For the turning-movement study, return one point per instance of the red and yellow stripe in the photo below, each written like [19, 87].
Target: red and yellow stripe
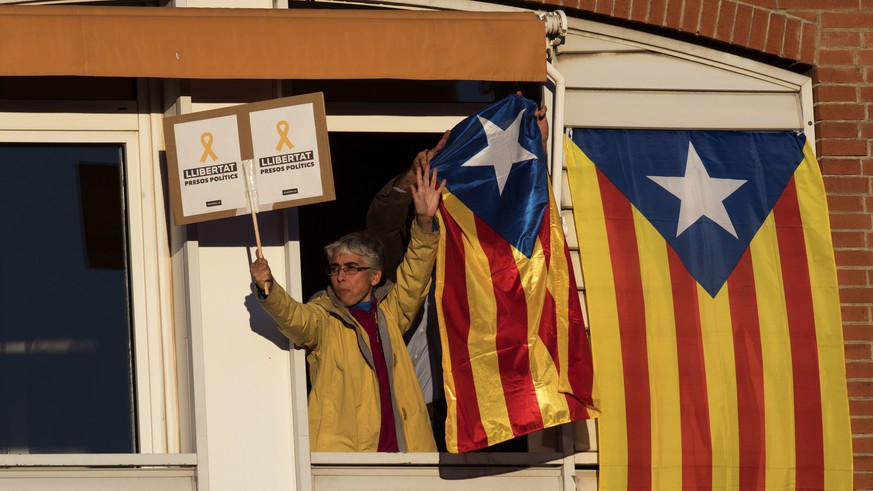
[515, 355]
[742, 391]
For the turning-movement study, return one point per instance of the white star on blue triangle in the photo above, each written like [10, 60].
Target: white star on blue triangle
[701, 195]
[727, 183]
[494, 164]
[501, 151]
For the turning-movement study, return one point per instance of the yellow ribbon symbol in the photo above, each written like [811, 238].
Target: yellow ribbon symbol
[282, 128]
[206, 140]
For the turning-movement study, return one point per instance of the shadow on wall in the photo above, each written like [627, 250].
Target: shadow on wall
[259, 321]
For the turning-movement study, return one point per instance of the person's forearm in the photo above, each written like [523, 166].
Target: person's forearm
[425, 222]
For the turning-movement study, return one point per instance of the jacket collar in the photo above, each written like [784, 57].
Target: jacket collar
[338, 308]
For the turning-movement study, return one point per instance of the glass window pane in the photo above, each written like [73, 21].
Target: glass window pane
[65, 328]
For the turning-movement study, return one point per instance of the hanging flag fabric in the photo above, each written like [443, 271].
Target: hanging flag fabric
[516, 357]
[713, 308]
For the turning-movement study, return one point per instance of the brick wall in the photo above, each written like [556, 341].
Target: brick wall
[835, 37]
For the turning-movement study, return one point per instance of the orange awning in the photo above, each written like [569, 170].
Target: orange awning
[209, 43]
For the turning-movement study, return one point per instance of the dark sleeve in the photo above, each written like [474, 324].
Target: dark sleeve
[388, 218]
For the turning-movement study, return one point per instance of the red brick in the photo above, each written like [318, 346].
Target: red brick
[775, 34]
[868, 74]
[866, 93]
[855, 313]
[863, 370]
[767, 4]
[839, 74]
[845, 202]
[842, 167]
[673, 16]
[840, 39]
[859, 333]
[867, 169]
[862, 444]
[862, 463]
[858, 294]
[862, 480]
[691, 16]
[866, 130]
[603, 7]
[852, 277]
[861, 408]
[588, 5]
[791, 44]
[758, 31]
[848, 221]
[857, 351]
[708, 18]
[829, 129]
[621, 9]
[742, 25]
[843, 147]
[850, 260]
[807, 43]
[818, 4]
[865, 57]
[840, 112]
[868, 38]
[835, 93]
[860, 389]
[844, 238]
[639, 10]
[836, 57]
[846, 20]
[862, 425]
[806, 15]
[657, 8]
[725, 27]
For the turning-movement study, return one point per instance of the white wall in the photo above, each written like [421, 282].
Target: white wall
[246, 373]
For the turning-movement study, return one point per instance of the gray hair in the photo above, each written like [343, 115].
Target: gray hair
[362, 244]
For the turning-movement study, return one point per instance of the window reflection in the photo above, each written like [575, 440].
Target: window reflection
[65, 330]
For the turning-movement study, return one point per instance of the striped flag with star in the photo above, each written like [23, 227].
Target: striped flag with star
[713, 310]
[516, 357]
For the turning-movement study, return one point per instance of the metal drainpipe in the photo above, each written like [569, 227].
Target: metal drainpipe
[556, 30]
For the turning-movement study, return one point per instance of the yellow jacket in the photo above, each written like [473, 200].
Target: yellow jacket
[344, 408]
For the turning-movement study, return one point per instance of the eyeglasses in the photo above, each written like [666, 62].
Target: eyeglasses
[348, 268]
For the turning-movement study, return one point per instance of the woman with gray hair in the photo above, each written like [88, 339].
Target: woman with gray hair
[365, 395]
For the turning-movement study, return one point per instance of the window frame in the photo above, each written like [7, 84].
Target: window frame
[155, 382]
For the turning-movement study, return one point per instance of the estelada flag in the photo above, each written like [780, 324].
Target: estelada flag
[516, 357]
[713, 308]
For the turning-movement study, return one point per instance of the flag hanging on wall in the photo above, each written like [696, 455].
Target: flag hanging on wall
[713, 308]
[516, 357]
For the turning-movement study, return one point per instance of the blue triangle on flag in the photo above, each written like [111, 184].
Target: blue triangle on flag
[707, 213]
[515, 211]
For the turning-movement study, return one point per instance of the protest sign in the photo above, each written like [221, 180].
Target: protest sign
[284, 140]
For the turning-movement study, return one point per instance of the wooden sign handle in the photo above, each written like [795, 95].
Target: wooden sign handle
[258, 241]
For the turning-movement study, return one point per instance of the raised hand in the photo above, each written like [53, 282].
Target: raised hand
[406, 180]
[543, 125]
[542, 122]
[426, 196]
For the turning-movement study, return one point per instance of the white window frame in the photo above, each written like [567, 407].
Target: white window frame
[157, 403]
